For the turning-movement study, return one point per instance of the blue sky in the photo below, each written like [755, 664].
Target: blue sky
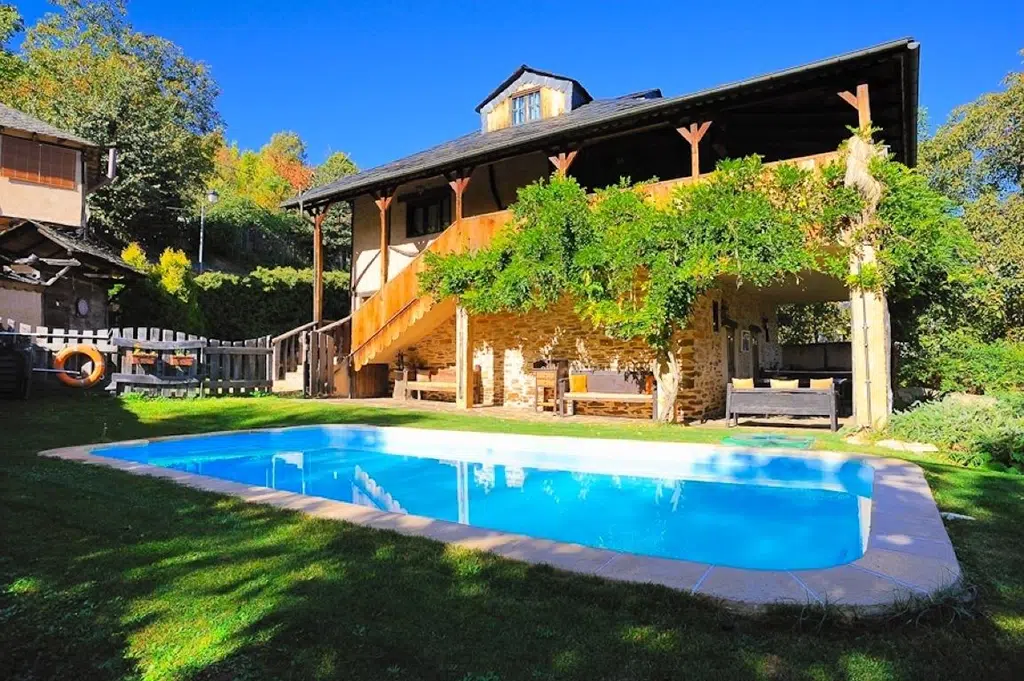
[380, 79]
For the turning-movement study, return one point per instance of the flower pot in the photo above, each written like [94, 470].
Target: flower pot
[142, 359]
[181, 360]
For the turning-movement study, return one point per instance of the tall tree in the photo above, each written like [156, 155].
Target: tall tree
[85, 69]
[977, 159]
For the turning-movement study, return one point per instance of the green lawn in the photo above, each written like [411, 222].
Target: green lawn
[112, 576]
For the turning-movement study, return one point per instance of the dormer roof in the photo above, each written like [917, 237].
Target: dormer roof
[529, 69]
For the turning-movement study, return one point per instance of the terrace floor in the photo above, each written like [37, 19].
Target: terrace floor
[815, 423]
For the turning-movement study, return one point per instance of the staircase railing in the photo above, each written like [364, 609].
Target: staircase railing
[398, 304]
[289, 350]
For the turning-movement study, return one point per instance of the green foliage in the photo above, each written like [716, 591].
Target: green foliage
[529, 266]
[921, 242]
[977, 159]
[634, 268]
[86, 70]
[958, 360]
[813, 323]
[267, 301]
[245, 233]
[973, 431]
[165, 298]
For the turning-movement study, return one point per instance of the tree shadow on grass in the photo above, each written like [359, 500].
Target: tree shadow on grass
[108, 575]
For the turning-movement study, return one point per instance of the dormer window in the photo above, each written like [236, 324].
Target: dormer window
[526, 107]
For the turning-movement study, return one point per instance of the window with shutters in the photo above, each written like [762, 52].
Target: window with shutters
[45, 164]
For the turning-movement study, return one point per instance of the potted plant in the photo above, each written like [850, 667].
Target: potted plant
[140, 356]
[181, 358]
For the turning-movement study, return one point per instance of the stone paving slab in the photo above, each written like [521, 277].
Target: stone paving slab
[908, 550]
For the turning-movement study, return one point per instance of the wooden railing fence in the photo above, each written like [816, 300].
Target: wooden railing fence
[159, 361]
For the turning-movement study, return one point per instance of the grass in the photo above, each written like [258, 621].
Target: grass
[106, 575]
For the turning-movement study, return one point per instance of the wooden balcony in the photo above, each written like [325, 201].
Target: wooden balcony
[388, 314]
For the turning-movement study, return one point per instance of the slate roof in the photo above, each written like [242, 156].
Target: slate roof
[15, 243]
[12, 118]
[601, 114]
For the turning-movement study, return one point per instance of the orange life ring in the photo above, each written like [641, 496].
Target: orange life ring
[90, 351]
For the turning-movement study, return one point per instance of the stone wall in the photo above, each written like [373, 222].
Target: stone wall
[507, 345]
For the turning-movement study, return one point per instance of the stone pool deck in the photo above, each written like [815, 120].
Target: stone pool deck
[908, 552]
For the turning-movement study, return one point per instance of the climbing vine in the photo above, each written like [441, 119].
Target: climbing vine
[635, 268]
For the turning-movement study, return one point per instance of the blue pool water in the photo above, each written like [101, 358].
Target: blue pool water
[758, 509]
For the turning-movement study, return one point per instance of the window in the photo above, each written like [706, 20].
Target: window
[45, 164]
[428, 215]
[526, 107]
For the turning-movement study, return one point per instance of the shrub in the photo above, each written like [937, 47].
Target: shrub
[972, 430]
[165, 298]
[220, 305]
[266, 301]
[958, 361]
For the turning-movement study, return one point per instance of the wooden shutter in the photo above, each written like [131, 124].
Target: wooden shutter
[44, 164]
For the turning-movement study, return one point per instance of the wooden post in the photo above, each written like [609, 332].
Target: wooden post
[562, 161]
[458, 183]
[463, 358]
[383, 200]
[318, 262]
[861, 102]
[694, 134]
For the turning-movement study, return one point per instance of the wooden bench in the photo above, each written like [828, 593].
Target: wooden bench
[780, 401]
[610, 386]
[441, 380]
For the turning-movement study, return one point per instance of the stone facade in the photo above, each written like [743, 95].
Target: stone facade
[507, 345]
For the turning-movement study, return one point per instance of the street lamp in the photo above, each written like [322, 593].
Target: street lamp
[211, 198]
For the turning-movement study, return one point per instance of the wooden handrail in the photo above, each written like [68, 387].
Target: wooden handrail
[333, 325]
[397, 295]
[383, 326]
[294, 332]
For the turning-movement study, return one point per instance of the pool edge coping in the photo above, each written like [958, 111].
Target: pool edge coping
[909, 553]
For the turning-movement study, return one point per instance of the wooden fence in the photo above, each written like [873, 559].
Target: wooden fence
[160, 361]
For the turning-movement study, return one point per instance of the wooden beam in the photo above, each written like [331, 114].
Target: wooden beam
[458, 185]
[694, 134]
[861, 102]
[383, 200]
[562, 161]
[319, 214]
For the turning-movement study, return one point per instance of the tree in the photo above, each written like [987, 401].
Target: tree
[10, 25]
[827, 322]
[337, 223]
[977, 159]
[86, 70]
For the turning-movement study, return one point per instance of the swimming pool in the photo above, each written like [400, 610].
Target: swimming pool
[734, 507]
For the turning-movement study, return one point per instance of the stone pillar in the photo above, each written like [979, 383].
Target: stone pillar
[869, 311]
[870, 343]
[463, 358]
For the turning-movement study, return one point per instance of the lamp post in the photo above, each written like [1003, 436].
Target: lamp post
[211, 198]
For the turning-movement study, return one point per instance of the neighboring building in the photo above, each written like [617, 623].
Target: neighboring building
[455, 196]
[51, 272]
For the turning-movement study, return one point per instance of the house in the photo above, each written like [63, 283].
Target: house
[456, 196]
[51, 272]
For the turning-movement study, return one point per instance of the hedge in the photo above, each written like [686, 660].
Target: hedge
[229, 306]
[266, 301]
